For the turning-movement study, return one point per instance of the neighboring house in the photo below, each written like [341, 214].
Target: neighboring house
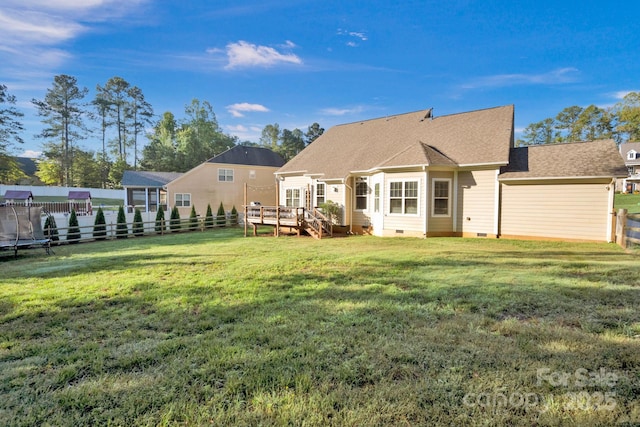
[146, 189]
[630, 152]
[224, 179]
[457, 175]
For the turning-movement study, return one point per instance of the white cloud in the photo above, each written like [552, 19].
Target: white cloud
[622, 93]
[27, 27]
[245, 133]
[243, 55]
[342, 111]
[561, 75]
[359, 35]
[237, 110]
[31, 154]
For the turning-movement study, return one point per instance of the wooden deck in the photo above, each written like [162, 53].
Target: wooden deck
[298, 219]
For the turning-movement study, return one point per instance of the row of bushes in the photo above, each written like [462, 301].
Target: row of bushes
[137, 229]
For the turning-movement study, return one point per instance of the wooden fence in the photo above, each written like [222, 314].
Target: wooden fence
[627, 229]
[110, 231]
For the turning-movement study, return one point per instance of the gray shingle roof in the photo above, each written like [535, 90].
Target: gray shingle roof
[18, 195]
[411, 139]
[624, 150]
[252, 156]
[580, 159]
[148, 179]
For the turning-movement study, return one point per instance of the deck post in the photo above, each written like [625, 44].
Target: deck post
[277, 221]
[246, 211]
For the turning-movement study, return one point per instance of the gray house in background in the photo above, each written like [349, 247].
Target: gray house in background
[630, 153]
[146, 190]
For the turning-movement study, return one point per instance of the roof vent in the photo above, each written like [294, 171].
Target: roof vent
[429, 115]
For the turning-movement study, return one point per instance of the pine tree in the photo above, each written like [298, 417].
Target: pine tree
[100, 227]
[160, 220]
[221, 216]
[73, 231]
[234, 215]
[138, 226]
[193, 219]
[121, 227]
[174, 221]
[208, 219]
[51, 229]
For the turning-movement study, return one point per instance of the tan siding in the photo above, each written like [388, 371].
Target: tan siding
[439, 225]
[203, 185]
[411, 225]
[567, 211]
[476, 202]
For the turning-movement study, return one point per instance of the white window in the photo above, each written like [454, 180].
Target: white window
[252, 174]
[362, 193]
[631, 155]
[225, 175]
[292, 197]
[320, 193]
[441, 197]
[376, 197]
[183, 199]
[403, 197]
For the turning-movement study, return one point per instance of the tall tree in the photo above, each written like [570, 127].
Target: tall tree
[313, 132]
[116, 95]
[10, 128]
[567, 122]
[594, 123]
[542, 132]
[160, 153]
[62, 111]
[270, 136]
[628, 114]
[292, 143]
[141, 115]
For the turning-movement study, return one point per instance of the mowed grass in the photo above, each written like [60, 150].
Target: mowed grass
[630, 202]
[216, 329]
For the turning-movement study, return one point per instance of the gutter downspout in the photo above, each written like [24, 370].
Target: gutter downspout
[612, 213]
[426, 201]
[350, 203]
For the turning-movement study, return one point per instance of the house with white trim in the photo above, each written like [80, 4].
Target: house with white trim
[421, 175]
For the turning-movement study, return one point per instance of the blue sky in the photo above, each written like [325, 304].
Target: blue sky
[326, 61]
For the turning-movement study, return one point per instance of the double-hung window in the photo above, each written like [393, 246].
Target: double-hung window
[403, 197]
[292, 197]
[362, 193]
[376, 197]
[225, 175]
[183, 199]
[441, 193]
[320, 193]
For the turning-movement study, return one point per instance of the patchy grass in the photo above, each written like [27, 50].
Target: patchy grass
[630, 202]
[214, 329]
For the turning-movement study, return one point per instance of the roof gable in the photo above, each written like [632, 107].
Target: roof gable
[251, 156]
[79, 195]
[411, 139]
[571, 160]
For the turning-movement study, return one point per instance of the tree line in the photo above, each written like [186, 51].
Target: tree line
[120, 117]
[620, 122]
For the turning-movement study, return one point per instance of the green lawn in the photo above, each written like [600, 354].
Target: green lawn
[630, 202]
[216, 329]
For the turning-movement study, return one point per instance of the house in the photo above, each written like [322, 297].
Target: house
[419, 175]
[630, 152]
[145, 190]
[240, 175]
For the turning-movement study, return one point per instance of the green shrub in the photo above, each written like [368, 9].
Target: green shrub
[174, 220]
[234, 215]
[122, 230]
[73, 231]
[208, 219]
[331, 210]
[138, 226]
[51, 229]
[221, 216]
[100, 226]
[160, 220]
[193, 219]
